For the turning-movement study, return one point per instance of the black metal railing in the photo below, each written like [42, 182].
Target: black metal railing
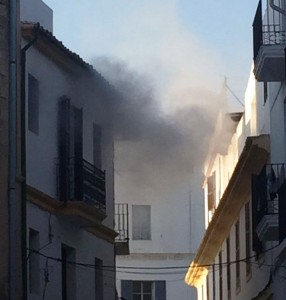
[265, 188]
[269, 196]
[82, 182]
[273, 35]
[121, 222]
[266, 34]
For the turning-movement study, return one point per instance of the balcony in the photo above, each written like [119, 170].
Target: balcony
[268, 203]
[122, 227]
[268, 50]
[81, 187]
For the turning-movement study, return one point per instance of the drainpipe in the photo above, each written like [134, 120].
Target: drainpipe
[12, 157]
[277, 8]
[23, 164]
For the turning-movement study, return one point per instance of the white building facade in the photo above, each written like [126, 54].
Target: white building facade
[69, 168]
[242, 254]
[162, 235]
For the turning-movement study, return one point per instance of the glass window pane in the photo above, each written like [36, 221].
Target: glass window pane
[136, 286]
[136, 297]
[147, 297]
[147, 287]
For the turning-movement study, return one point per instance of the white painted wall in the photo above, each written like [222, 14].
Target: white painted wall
[175, 234]
[41, 174]
[259, 118]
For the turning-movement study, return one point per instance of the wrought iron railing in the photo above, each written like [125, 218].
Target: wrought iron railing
[121, 222]
[266, 34]
[82, 182]
[265, 190]
[273, 35]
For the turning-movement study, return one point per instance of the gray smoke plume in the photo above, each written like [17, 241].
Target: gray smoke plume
[155, 147]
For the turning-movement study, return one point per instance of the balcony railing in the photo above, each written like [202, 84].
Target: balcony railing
[121, 221]
[79, 180]
[122, 228]
[268, 196]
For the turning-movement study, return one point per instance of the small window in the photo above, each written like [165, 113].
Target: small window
[141, 222]
[34, 262]
[33, 104]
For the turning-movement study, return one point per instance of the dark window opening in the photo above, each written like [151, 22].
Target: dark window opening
[33, 104]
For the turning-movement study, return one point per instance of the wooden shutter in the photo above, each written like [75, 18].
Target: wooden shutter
[126, 289]
[78, 163]
[160, 290]
[63, 148]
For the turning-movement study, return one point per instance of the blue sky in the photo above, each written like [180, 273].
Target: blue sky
[181, 41]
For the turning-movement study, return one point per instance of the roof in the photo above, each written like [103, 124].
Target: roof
[58, 51]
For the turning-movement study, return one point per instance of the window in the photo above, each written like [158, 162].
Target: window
[228, 271]
[211, 192]
[34, 262]
[98, 279]
[141, 222]
[220, 276]
[237, 255]
[143, 290]
[247, 239]
[214, 285]
[68, 273]
[97, 146]
[33, 104]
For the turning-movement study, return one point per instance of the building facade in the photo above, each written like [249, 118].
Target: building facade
[69, 168]
[242, 254]
[162, 234]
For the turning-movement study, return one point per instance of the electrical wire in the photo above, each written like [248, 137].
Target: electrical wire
[128, 269]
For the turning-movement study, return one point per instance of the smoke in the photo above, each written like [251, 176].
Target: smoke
[155, 147]
[170, 96]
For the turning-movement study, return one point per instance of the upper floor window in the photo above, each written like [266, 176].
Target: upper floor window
[97, 145]
[143, 290]
[141, 222]
[33, 104]
[211, 183]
